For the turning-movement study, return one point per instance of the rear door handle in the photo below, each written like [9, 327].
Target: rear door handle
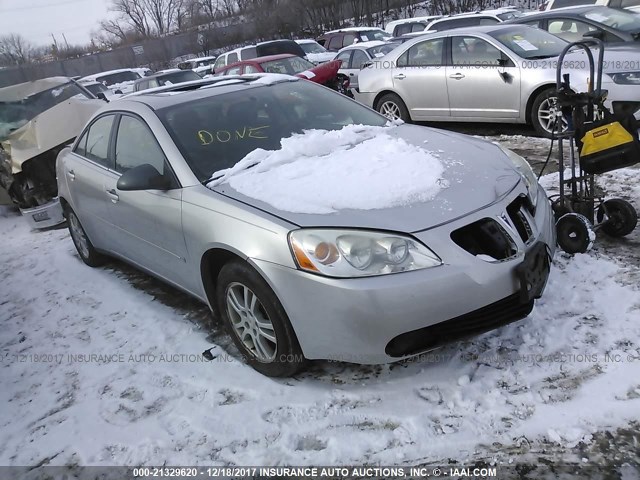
[113, 195]
[400, 76]
[457, 76]
[72, 176]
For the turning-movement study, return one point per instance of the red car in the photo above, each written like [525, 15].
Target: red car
[324, 74]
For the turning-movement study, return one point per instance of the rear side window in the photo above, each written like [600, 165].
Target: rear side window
[348, 39]
[359, 59]
[219, 62]
[94, 144]
[344, 58]
[335, 43]
[232, 58]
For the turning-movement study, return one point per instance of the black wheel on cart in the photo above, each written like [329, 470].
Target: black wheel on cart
[574, 233]
[618, 216]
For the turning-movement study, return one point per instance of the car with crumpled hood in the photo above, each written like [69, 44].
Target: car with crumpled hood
[37, 120]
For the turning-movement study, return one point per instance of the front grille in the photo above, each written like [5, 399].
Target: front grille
[485, 237]
[487, 318]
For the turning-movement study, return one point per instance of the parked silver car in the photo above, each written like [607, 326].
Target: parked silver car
[501, 73]
[361, 285]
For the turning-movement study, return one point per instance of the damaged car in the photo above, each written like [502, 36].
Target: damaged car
[313, 225]
[37, 120]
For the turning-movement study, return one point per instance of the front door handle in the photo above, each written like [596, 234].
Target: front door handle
[457, 76]
[113, 195]
[400, 76]
[72, 176]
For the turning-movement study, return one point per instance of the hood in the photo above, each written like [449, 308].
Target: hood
[322, 73]
[321, 57]
[477, 173]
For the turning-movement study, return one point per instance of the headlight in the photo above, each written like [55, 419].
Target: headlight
[523, 167]
[358, 253]
[626, 78]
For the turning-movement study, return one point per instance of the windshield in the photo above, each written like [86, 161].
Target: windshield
[96, 88]
[381, 50]
[370, 35]
[204, 63]
[530, 43]
[313, 48]
[626, 22]
[120, 77]
[217, 132]
[178, 77]
[14, 114]
[509, 15]
[287, 66]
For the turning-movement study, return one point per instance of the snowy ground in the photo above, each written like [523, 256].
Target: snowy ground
[561, 386]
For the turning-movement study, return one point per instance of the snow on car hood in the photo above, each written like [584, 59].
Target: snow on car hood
[404, 178]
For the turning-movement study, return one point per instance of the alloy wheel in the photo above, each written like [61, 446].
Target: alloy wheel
[549, 113]
[390, 110]
[251, 322]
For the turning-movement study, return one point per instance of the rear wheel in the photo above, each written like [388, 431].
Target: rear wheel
[257, 322]
[392, 107]
[85, 248]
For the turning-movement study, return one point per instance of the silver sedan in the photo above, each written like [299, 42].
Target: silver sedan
[143, 183]
[501, 73]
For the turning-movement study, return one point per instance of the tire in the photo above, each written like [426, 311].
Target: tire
[542, 100]
[621, 220]
[280, 358]
[574, 233]
[394, 107]
[85, 248]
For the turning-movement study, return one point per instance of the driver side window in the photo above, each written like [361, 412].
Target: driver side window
[136, 145]
[474, 51]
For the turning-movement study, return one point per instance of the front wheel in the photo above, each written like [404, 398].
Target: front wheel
[392, 107]
[546, 115]
[257, 322]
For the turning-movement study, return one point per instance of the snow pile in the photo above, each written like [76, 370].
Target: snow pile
[319, 171]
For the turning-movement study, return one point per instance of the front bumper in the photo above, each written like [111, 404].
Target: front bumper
[44, 216]
[356, 320]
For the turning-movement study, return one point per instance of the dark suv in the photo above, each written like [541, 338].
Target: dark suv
[337, 39]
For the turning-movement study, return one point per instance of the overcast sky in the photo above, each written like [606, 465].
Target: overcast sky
[38, 19]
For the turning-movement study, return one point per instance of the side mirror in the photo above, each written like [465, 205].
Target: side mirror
[102, 96]
[599, 34]
[143, 177]
[118, 92]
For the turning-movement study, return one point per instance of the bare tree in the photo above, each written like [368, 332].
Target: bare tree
[15, 49]
[147, 18]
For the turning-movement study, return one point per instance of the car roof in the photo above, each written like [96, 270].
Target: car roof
[364, 45]
[562, 11]
[161, 74]
[306, 40]
[266, 58]
[108, 72]
[162, 97]
[354, 29]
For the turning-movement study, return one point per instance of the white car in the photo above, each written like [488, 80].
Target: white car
[474, 19]
[409, 25]
[316, 53]
[200, 65]
[121, 79]
[354, 57]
